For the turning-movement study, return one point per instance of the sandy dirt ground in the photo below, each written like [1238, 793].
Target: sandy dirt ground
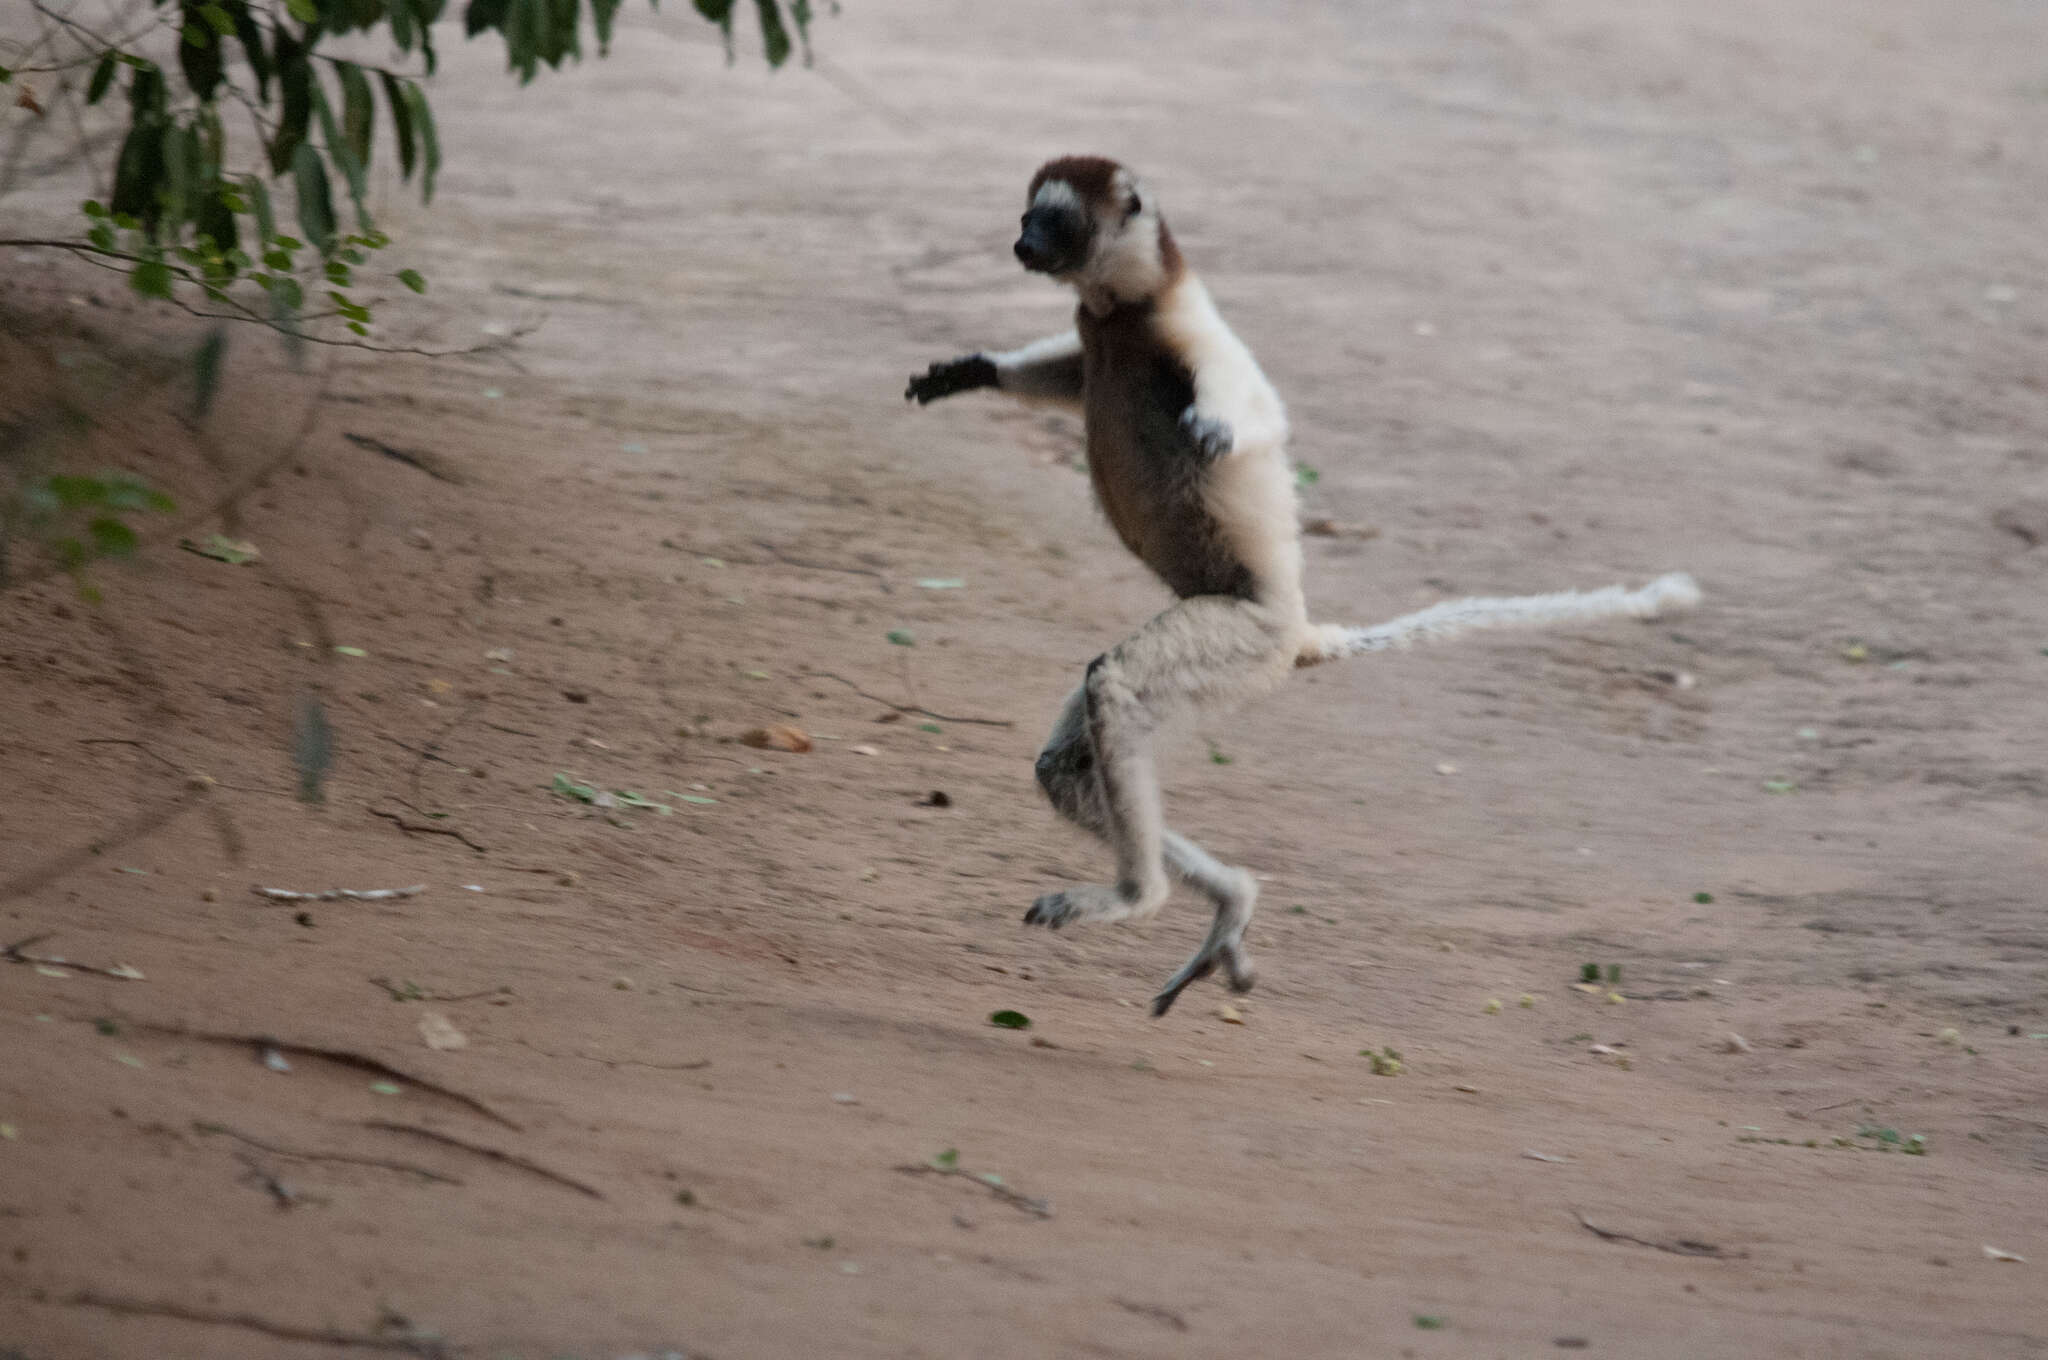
[1561, 292]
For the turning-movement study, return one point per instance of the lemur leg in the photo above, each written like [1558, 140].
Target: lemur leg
[1066, 771]
[1097, 768]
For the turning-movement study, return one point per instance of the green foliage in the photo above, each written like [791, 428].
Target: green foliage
[312, 748]
[80, 520]
[191, 206]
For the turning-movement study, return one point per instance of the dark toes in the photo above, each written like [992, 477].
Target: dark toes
[1050, 911]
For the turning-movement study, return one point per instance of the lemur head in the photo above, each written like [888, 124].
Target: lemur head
[1090, 224]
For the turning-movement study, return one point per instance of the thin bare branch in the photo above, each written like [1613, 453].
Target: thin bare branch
[909, 708]
[493, 1154]
[346, 1057]
[399, 1343]
[346, 1158]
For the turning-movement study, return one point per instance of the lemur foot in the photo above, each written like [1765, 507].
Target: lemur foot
[1211, 437]
[1237, 970]
[948, 376]
[1083, 902]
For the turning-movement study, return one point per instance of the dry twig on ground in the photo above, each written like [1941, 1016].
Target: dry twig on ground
[430, 1347]
[480, 1150]
[261, 1042]
[1037, 1208]
[346, 1158]
[1677, 1247]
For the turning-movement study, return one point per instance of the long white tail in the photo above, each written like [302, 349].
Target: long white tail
[1670, 594]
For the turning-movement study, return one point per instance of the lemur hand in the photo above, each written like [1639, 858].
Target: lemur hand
[1210, 437]
[949, 376]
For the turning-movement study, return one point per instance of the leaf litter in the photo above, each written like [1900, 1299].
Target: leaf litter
[947, 1163]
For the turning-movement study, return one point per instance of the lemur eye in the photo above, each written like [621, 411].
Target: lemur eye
[1135, 207]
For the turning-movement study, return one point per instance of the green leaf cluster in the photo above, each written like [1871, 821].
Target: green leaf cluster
[80, 519]
[186, 209]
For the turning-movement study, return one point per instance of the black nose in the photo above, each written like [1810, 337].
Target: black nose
[1032, 251]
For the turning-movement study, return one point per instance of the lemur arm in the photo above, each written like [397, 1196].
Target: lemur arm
[1044, 370]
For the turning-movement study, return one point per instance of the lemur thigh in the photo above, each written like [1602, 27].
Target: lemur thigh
[1203, 651]
[1066, 771]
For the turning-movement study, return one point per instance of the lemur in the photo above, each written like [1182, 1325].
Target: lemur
[1187, 450]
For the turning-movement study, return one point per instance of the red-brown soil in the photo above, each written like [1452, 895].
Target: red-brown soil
[1561, 292]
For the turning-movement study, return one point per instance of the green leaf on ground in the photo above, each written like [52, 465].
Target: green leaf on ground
[569, 788]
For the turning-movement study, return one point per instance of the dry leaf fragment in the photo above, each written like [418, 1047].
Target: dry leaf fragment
[1735, 1043]
[1229, 1015]
[780, 737]
[1996, 1254]
[1322, 526]
[440, 1033]
[864, 750]
[233, 551]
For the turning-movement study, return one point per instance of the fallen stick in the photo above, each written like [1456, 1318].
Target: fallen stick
[1038, 1208]
[1680, 1247]
[909, 708]
[18, 953]
[786, 560]
[300, 1154]
[776, 554]
[341, 894]
[431, 1347]
[494, 1154]
[412, 993]
[430, 463]
[346, 1058]
[426, 829]
[1153, 1311]
[270, 1181]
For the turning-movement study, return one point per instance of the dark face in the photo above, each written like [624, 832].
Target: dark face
[1055, 238]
